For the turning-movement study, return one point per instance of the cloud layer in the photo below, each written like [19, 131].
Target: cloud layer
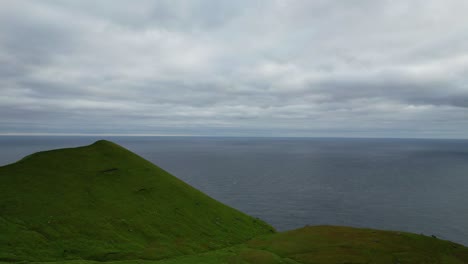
[238, 68]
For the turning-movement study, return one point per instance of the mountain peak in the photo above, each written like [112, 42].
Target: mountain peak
[102, 141]
[105, 143]
[91, 202]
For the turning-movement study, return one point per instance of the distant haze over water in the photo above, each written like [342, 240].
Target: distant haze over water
[416, 185]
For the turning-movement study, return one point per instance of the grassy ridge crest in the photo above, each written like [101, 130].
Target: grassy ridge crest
[102, 202]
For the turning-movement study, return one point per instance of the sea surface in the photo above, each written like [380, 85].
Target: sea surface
[416, 185]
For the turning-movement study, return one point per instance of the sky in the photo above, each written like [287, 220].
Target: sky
[389, 68]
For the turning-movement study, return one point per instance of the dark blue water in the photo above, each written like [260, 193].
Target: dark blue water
[413, 185]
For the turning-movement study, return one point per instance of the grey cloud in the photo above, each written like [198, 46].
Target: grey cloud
[29, 39]
[405, 91]
[260, 68]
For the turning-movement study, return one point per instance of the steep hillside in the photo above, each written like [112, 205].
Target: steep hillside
[103, 202]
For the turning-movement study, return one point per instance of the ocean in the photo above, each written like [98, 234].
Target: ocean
[415, 185]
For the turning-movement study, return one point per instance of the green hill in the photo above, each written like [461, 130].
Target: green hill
[103, 202]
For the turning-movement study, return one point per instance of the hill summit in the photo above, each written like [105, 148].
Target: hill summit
[103, 202]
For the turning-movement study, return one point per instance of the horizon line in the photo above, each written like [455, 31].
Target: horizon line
[218, 136]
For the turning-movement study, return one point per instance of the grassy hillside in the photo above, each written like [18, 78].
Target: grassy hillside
[102, 202]
[334, 245]
[327, 245]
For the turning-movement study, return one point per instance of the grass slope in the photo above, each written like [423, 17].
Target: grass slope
[102, 202]
[327, 245]
[333, 245]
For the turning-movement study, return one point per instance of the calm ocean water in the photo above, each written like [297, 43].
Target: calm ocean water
[412, 185]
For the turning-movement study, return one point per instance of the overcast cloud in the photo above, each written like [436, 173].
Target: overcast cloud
[235, 68]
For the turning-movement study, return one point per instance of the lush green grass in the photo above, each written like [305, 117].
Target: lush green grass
[327, 245]
[102, 202]
[333, 244]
